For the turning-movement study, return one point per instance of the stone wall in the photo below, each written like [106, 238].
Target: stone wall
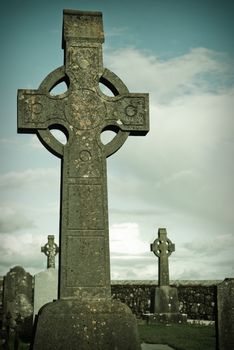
[198, 301]
[197, 298]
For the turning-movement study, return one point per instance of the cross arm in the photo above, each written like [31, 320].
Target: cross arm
[171, 247]
[36, 110]
[129, 112]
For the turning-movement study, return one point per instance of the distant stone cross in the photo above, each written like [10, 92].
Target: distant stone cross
[162, 248]
[50, 249]
[82, 113]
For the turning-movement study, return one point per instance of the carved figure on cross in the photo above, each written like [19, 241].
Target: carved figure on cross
[162, 247]
[50, 249]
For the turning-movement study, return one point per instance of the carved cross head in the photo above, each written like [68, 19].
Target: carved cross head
[50, 249]
[83, 112]
[162, 246]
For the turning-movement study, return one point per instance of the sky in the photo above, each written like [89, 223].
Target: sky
[179, 176]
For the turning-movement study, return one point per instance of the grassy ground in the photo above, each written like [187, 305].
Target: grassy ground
[180, 337]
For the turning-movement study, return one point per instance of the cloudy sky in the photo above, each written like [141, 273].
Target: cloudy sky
[179, 176]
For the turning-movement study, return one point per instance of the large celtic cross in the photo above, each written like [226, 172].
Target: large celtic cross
[82, 113]
[162, 248]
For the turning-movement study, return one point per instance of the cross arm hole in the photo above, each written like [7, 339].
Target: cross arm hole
[108, 133]
[112, 82]
[56, 84]
[60, 88]
[118, 137]
[51, 141]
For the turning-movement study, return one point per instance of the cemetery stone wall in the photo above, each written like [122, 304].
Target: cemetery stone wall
[197, 298]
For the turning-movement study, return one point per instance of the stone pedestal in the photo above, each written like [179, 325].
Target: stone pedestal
[103, 324]
[166, 307]
[225, 317]
[45, 289]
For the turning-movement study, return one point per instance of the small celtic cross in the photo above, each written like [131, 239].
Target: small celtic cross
[50, 249]
[162, 247]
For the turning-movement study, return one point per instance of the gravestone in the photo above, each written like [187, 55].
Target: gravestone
[166, 303]
[46, 282]
[225, 317]
[84, 314]
[17, 300]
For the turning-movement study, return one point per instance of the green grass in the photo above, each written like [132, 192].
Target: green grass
[180, 337]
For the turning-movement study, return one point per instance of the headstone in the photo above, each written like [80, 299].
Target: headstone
[46, 282]
[166, 303]
[225, 317]
[17, 300]
[84, 314]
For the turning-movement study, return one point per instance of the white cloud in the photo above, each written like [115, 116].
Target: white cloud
[125, 239]
[12, 141]
[167, 79]
[185, 160]
[183, 166]
[219, 247]
[22, 141]
[13, 219]
[44, 176]
[116, 31]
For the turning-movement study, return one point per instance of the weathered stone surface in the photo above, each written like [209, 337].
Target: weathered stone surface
[82, 113]
[93, 324]
[45, 288]
[50, 249]
[225, 317]
[17, 299]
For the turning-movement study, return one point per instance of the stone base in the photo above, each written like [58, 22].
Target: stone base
[165, 318]
[166, 300]
[166, 307]
[82, 324]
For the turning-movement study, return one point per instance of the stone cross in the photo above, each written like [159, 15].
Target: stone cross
[162, 248]
[50, 249]
[83, 112]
